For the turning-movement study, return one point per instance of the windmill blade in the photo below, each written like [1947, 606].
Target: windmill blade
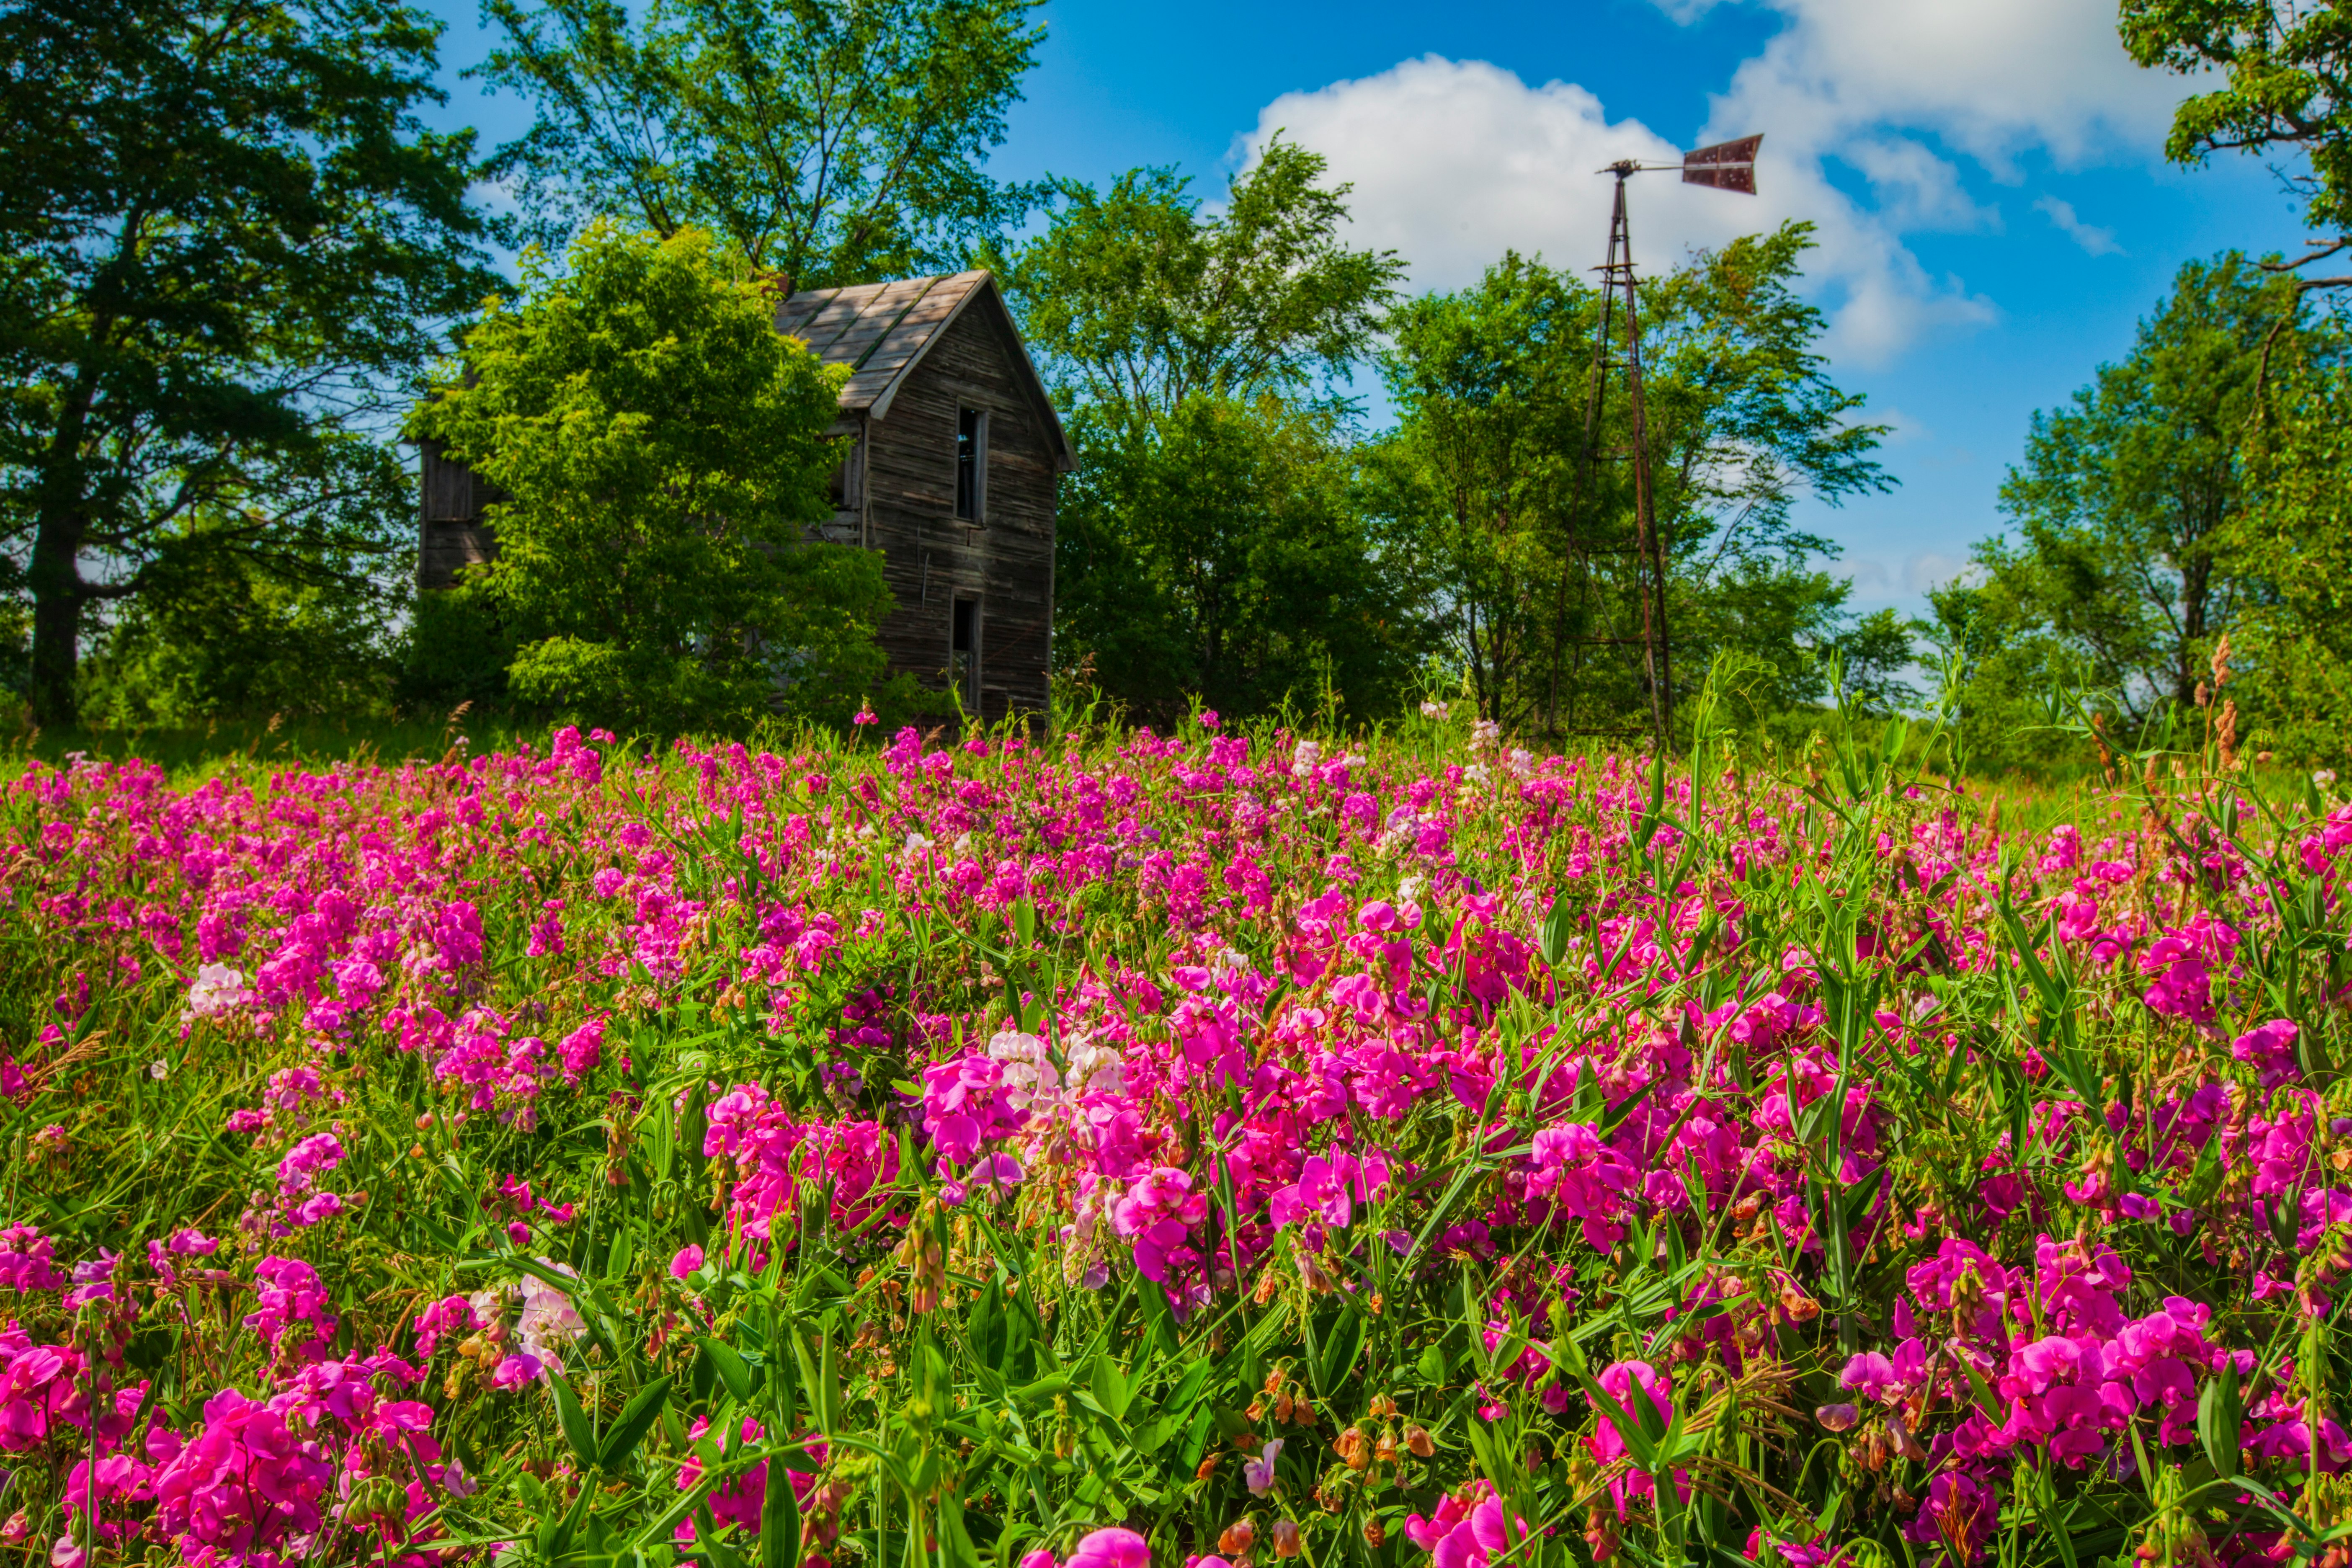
[1726, 165]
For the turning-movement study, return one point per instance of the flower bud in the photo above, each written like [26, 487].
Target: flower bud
[1383, 1405]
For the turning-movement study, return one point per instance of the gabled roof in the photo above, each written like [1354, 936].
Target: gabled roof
[882, 331]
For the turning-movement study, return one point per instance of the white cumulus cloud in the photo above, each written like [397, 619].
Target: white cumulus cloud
[1455, 161]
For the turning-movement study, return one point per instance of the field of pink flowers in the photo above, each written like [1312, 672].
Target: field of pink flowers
[1200, 1150]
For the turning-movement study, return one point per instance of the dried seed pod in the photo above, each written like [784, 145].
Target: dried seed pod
[1375, 1533]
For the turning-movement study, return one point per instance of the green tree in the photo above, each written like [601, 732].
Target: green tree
[1214, 541]
[1221, 551]
[831, 141]
[228, 242]
[2127, 505]
[1136, 300]
[1873, 655]
[1535, 558]
[224, 634]
[663, 447]
[2280, 76]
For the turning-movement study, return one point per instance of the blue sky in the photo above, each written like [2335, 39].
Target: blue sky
[1987, 174]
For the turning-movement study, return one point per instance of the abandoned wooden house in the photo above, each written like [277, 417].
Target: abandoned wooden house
[953, 455]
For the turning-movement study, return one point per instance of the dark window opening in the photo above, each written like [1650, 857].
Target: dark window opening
[971, 463]
[963, 651]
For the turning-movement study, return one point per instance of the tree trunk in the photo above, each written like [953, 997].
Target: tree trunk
[56, 581]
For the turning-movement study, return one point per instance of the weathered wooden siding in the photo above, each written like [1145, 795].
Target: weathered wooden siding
[451, 534]
[930, 557]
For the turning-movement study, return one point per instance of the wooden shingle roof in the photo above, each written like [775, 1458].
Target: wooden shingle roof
[882, 331]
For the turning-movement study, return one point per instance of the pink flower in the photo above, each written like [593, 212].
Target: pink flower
[1258, 1474]
[1111, 1549]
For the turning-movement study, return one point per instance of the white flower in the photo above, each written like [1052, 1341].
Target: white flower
[2325, 778]
[1303, 759]
[1096, 1068]
[158, 1067]
[1434, 709]
[1028, 1069]
[1409, 890]
[217, 989]
[915, 841]
[1486, 733]
[549, 1319]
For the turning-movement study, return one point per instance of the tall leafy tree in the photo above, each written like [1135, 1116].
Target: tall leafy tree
[2276, 79]
[831, 141]
[2128, 501]
[228, 242]
[1138, 298]
[1534, 550]
[1215, 542]
[1223, 553]
[663, 447]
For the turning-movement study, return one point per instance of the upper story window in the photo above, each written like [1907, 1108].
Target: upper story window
[972, 464]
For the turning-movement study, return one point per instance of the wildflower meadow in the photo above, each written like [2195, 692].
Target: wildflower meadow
[1191, 1150]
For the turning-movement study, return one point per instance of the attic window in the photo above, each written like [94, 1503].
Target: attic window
[972, 464]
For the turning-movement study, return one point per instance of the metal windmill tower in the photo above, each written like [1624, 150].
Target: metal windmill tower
[1726, 166]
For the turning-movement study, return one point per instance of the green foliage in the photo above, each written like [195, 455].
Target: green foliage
[1137, 301]
[228, 240]
[663, 447]
[1213, 543]
[454, 651]
[1221, 551]
[2186, 497]
[2126, 501]
[2284, 70]
[832, 141]
[1534, 555]
[222, 632]
[2296, 637]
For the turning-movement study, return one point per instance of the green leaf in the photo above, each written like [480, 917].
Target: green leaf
[2219, 1415]
[779, 1519]
[1339, 1351]
[1110, 1387]
[577, 1433]
[636, 1418]
[732, 1369]
[1557, 926]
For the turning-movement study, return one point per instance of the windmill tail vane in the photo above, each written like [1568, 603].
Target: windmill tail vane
[1726, 165]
